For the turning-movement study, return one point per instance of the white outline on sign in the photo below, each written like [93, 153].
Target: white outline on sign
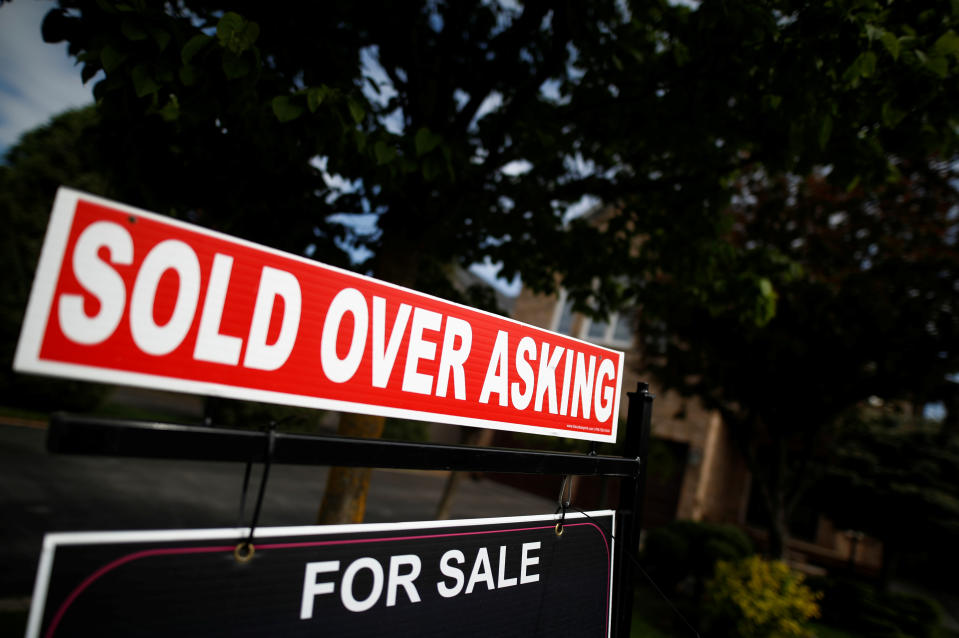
[235, 534]
[27, 357]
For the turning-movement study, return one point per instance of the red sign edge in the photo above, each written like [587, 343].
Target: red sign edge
[27, 356]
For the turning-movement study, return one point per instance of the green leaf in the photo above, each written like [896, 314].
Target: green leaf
[431, 169]
[188, 75]
[384, 152]
[132, 31]
[891, 42]
[161, 37]
[285, 109]
[948, 44]
[234, 66]
[426, 141]
[193, 46]
[825, 131]
[766, 302]
[359, 139]
[171, 110]
[88, 71]
[448, 156]
[936, 63]
[143, 82]
[356, 110]
[680, 53]
[863, 66]
[772, 102]
[110, 58]
[236, 33]
[315, 97]
[867, 64]
[891, 116]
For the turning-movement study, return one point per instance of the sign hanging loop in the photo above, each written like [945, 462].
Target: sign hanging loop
[563, 502]
[244, 551]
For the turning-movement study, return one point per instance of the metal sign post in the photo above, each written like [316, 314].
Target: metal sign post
[126, 296]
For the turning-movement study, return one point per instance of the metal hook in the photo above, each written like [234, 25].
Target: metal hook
[566, 490]
[244, 551]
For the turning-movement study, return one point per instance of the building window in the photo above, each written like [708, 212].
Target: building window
[617, 330]
[597, 330]
[563, 317]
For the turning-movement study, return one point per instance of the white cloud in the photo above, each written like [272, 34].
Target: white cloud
[489, 272]
[37, 80]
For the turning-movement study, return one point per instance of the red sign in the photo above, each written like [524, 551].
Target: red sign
[126, 296]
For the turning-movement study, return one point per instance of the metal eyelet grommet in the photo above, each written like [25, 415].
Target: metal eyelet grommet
[243, 553]
[559, 529]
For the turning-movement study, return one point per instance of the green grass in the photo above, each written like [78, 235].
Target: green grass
[32, 415]
[822, 631]
[13, 623]
[642, 629]
[652, 618]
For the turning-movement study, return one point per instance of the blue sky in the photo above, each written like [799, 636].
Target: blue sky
[37, 80]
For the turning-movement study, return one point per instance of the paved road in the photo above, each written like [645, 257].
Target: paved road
[40, 492]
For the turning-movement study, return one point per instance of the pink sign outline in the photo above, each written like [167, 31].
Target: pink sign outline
[102, 571]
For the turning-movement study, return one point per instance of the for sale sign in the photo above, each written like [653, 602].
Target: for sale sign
[126, 296]
[483, 577]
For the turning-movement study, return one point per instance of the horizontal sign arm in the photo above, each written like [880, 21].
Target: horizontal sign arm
[71, 434]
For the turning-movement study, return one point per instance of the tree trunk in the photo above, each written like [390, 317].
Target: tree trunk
[890, 563]
[446, 501]
[346, 487]
[778, 532]
[468, 436]
[778, 507]
[344, 500]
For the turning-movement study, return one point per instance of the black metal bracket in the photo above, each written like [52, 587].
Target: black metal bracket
[72, 434]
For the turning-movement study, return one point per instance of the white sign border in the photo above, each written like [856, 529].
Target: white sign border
[27, 357]
[57, 539]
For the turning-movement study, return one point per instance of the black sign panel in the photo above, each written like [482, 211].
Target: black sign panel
[483, 577]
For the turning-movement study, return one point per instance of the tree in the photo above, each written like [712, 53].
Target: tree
[895, 478]
[62, 152]
[467, 129]
[420, 108]
[866, 285]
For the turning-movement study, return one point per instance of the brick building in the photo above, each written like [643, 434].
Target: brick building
[695, 472]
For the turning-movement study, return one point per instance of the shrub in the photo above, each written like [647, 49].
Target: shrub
[688, 551]
[857, 606]
[666, 554]
[758, 598]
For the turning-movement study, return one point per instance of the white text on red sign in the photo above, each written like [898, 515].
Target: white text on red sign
[125, 296]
